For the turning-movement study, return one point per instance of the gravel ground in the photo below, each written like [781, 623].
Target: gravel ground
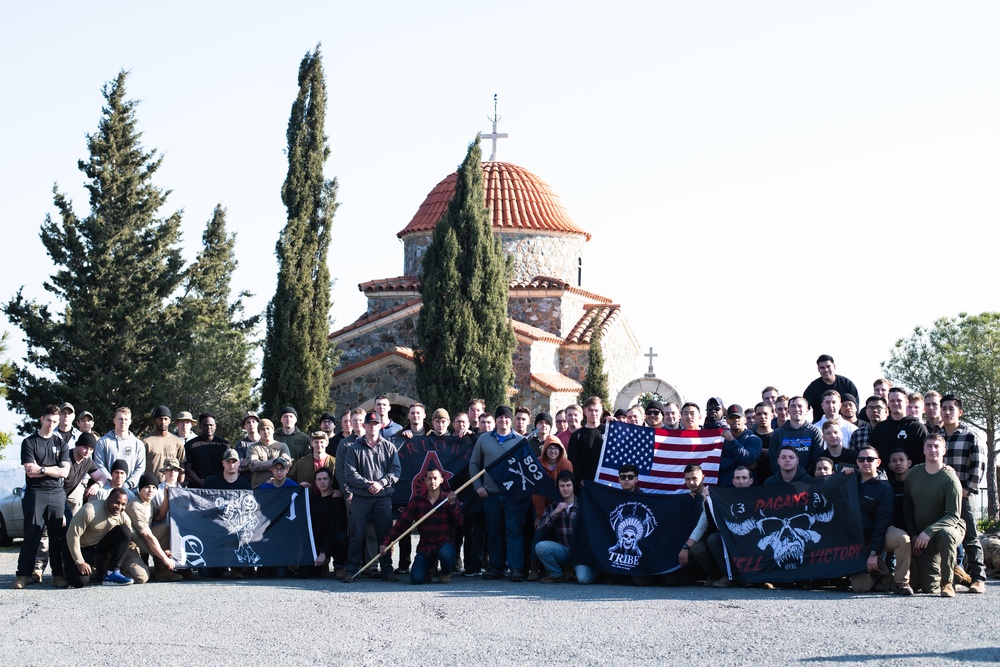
[316, 621]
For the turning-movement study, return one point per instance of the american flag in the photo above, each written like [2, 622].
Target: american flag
[659, 454]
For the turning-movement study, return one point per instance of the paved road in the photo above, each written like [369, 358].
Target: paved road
[470, 621]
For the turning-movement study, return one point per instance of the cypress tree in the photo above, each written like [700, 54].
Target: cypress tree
[215, 364]
[596, 381]
[298, 358]
[117, 269]
[464, 338]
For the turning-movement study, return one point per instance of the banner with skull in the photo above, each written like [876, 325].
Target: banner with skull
[636, 534]
[264, 527]
[791, 532]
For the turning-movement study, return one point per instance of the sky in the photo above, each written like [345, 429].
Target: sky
[764, 182]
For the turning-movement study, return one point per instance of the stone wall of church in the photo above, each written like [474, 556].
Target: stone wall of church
[367, 345]
[380, 304]
[535, 254]
[621, 356]
[390, 379]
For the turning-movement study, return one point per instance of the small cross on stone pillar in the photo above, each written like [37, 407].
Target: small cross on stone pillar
[650, 355]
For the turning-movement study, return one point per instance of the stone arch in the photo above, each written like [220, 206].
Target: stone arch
[636, 388]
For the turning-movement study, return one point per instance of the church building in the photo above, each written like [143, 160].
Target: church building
[550, 312]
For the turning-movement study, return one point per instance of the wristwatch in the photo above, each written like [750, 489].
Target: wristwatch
[873, 553]
[686, 547]
[42, 470]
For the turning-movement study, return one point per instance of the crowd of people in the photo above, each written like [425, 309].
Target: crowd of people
[97, 508]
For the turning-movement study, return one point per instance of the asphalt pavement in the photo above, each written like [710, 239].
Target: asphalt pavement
[474, 622]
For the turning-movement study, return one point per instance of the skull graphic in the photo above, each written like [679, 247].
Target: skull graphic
[631, 522]
[786, 536]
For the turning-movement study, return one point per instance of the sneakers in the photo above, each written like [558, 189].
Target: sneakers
[962, 577]
[516, 576]
[721, 583]
[403, 569]
[168, 576]
[21, 582]
[553, 580]
[948, 590]
[36, 577]
[389, 576]
[492, 574]
[117, 579]
[978, 586]
[534, 575]
[444, 579]
[901, 589]
[60, 582]
[473, 573]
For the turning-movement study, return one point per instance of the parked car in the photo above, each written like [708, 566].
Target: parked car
[11, 517]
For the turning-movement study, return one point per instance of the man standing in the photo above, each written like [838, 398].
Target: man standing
[371, 468]
[805, 438]
[303, 471]
[932, 411]
[585, 444]
[671, 416]
[204, 453]
[574, 420]
[389, 428]
[85, 422]
[967, 457]
[415, 421]
[66, 430]
[251, 429]
[876, 411]
[45, 458]
[119, 443]
[522, 418]
[899, 430]
[827, 379]
[788, 467]
[654, 414]
[263, 454]
[185, 426]
[741, 447]
[501, 515]
[932, 504]
[880, 534]
[831, 413]
[297, 441]
[229, 478]
[161, 444]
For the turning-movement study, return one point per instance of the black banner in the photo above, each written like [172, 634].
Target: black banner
[264, 527]
[792, 532]
[636, 534]
[447, 453]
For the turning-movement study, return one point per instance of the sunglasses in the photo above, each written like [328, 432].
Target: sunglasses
[867, 459]
[628, 475]
[653, 413]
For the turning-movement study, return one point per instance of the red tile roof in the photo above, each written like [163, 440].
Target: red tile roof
[516, 199]
[399, 283]
[604, 314]
[555, 382]
[373, 317]
[550, 283]
[534, 333]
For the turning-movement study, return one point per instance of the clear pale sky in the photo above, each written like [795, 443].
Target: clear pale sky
[764, 182]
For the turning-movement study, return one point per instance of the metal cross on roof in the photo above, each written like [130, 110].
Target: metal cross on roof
[650, 355]
[493, 136]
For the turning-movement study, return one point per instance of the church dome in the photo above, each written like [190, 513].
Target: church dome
[518, 202]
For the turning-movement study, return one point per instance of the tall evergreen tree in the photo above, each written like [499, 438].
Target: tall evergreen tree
[117, 269]
[464, 338]
[214, 370]
[596, 381]
[298, 357]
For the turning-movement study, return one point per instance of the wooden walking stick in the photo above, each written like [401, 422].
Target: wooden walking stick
[416, 523]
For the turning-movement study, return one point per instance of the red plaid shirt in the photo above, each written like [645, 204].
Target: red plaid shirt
[437, 530]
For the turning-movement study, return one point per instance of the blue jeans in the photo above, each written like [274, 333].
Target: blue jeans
[422, 562]
[554, 556]
[504, 516]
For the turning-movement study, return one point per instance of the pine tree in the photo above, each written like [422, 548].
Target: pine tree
[298, 358]
[117, 269]
[214, 371]
[464, 338]
[596, 381]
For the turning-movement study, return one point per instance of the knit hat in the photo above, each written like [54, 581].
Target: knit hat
[148, 479]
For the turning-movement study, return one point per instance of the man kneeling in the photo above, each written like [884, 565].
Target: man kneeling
[99, 531]
[437, 533]
[557, 524]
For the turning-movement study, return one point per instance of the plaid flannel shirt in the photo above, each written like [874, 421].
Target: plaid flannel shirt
[862, 438]
[967, 456]
[436, 531]
[560, 524]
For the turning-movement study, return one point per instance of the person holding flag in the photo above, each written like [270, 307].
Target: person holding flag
[437, 531]
[502, 514]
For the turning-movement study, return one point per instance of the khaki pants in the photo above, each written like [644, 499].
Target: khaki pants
[935, 566]
[898, 542]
